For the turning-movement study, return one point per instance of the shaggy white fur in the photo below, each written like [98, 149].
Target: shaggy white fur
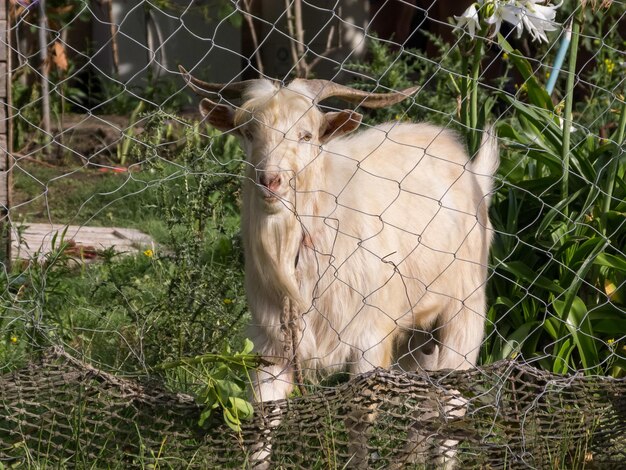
[379, 238]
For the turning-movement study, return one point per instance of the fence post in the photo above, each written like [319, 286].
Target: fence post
[5, 134]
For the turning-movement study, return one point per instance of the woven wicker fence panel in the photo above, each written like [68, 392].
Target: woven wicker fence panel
[65, 412]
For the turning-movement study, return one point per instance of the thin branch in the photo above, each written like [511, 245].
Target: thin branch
[292, 35]
[114, 47]
[299, 27]
[19, 156]
[327, 51]
[247, 7]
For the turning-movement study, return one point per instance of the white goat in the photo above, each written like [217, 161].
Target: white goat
[366, 250]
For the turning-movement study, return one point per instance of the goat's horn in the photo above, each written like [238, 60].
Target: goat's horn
[227, 90]
[325, 89]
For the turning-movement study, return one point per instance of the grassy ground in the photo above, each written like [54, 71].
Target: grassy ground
[185, 297]
[81, 196]
[127, 314]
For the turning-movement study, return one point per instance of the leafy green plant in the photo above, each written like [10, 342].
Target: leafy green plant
[557, 256]
[30, 320]
[27, 99]
[199, 206]
[181, 297]
[386, 70]
[225, 380]
[158, 94]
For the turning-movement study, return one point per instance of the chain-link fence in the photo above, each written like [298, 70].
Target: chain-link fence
[148, 233]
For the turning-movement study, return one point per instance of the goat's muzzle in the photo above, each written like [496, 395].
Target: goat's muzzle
[271, 186]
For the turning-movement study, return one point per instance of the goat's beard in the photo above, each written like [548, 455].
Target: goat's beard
[272, 242]
[276, 204]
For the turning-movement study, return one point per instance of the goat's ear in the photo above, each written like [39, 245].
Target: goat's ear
[340, 123]
[219, 116]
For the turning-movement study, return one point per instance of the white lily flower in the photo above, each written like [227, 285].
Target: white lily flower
[508, 12]
[539, 18]
[469, 20]
[525, 14]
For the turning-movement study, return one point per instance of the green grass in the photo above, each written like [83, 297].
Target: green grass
[132, 312]
[80, 196]
[549, 295]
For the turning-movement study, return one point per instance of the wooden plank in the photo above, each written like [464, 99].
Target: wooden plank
[37, 239]
[101, 240]
[3, 94]
[72, 230]
[5, 135]
[33, 240]
[134, 235]
[70, 233]
[4, 152]
[4, 193]
[85, 232]
[4, 120]
[4, 180]
[38, 246]
[3, 40]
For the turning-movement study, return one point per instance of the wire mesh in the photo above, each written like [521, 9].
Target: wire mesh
[368, 245]
[520, 418]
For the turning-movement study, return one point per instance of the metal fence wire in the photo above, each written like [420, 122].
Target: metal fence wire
[413, 211]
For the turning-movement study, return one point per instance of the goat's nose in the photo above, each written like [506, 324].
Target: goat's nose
[271, 181]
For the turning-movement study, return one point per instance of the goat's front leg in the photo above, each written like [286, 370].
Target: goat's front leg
[270, 383]
[364, 413]
[278, 344]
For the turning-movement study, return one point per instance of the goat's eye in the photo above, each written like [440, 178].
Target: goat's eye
[306, 136]
[247, 134]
